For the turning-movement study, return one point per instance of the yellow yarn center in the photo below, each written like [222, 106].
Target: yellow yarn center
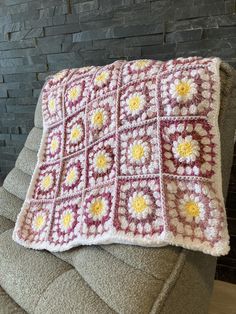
[137, 151]
[52, 105]
[182, 88]
[75, 134]
[141, 64]
[139, 204]
[47, 182]
[101, 161]
[66, 220]
[185, 149]
[101, 78]
[98, 119]
[54, 145]
[39, 221]
[192, 208]
[73, 93]
[71, 177]
[134, 103]
[97, 207]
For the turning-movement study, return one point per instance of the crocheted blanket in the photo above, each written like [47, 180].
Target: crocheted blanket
[130, 154]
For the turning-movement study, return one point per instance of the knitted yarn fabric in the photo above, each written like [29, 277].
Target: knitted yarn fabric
[130, 154]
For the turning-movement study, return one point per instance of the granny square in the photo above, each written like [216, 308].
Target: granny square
[130, 154]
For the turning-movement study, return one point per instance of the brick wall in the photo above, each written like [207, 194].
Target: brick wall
[39, 37]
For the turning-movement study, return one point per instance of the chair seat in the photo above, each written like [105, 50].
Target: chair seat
[103, 279]
[8, 305]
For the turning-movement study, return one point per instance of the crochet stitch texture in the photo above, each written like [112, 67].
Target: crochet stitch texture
[130, 153]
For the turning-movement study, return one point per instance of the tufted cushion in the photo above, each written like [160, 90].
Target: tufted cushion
[8, 305]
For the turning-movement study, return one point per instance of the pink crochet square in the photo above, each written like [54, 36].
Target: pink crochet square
[98, 207]
[207, 220]
[102, 114]
[137, 101]
[53, 144]
[72, 174]
[66, 220]
[74, 133]
[35, 220]
[131, 196]
[178, 135]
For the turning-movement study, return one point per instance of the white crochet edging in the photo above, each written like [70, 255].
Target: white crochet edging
[20, 215]
[223, 246]
[117, 237]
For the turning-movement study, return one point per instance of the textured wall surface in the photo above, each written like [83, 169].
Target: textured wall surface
[39, 37]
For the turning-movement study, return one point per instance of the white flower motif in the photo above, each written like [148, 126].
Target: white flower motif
[97, 208]
[76, 134]
[102, 161]
[54, 145]
[139, 205]
[140, 64]
[52, 105]
[191, 208]
[101, 78]
[186, 149]
[138, 151]
[67, 219]
[74, 93]
[47, 182]
[183, 89]
[72, 176]
[99, 118]
[135, 103]
[39, 221]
